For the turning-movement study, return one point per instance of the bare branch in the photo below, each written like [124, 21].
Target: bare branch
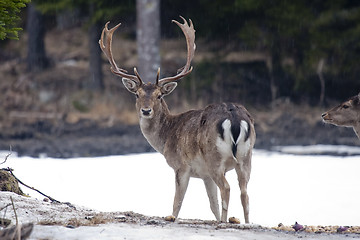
[32, 188]
[13, 205]
[5, 206]
[7, 156]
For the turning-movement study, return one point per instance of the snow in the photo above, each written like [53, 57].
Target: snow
[311, 189]
[124, 231]
[319, 149]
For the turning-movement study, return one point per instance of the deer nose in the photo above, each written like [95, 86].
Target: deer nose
[146, 112]
[323, 115]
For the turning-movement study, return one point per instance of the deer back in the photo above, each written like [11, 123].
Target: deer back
[198, 133]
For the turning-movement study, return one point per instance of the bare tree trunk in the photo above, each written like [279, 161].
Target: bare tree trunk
[319, 72]
[95, 81]
[67, 18]
[277, 74]
[148, 38]
[36, 56]
[274, 74]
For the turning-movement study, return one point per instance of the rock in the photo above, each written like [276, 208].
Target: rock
[298, 227]
[234, 220]
[342, 229]
[170, 218]
[8, 183]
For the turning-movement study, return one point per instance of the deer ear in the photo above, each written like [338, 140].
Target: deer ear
[167, 88]
[130, 85]
[356, 100]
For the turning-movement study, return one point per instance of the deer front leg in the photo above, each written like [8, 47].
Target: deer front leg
[224, 186]
[211, 190]
[182, 177]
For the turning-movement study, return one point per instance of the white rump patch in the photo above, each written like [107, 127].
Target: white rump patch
[244, 126]
[243, 147]
[224, 146]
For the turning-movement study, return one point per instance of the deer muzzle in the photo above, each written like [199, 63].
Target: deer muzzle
[146, 112]
[325, 116]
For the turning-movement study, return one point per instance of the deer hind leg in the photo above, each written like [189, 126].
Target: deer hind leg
[181, 183]
[211, 190]
[243, 178]
[224, 187]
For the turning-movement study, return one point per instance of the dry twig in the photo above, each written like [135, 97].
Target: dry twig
[32, 188]
[5, 206]
[17, 232]
[6, 157]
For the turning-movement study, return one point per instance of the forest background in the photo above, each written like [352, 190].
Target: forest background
[286, 61]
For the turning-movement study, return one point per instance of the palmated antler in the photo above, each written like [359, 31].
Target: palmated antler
[189, 33]
[108, 33]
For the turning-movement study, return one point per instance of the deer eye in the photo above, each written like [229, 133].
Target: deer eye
[159, 97]
[137, 95]
[345, 106]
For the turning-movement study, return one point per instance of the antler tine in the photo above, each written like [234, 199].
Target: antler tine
[106, 48]
[189, 33]
[158, 76]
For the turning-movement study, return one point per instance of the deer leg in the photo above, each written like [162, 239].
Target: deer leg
[243, 178]
[244, 198]
[181, 183]
[211, 190]
[224, 187]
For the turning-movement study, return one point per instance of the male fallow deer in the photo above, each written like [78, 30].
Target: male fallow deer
[347, 114]
[198, 143]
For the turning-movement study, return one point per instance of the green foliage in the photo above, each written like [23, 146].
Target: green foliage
[9, 10]
[306, 32]
[95, 10]
[296, 34]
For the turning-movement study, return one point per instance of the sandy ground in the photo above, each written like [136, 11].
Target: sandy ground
[64, 221]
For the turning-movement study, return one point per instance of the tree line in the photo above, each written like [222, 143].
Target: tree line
[312, 47]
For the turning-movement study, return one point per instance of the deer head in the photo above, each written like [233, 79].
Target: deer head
[346, 114]
[149, 96]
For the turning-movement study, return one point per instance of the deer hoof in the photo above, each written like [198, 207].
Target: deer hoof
[170, 218]
[234, 220]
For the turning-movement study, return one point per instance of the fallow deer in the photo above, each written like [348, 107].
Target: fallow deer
[347, 114]
[202, 143]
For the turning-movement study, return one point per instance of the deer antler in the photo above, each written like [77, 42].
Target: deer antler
[108, 53]
[189, 33]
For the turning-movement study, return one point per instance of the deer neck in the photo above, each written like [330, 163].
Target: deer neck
[154, 129]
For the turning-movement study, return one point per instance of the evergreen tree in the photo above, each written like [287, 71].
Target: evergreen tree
[36, 55]
[96, 12]
[9, 10]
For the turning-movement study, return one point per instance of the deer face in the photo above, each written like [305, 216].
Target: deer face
[148, 96]
[346, 114]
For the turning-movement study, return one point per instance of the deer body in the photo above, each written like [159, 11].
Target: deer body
[198, 143]
[346, 114]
